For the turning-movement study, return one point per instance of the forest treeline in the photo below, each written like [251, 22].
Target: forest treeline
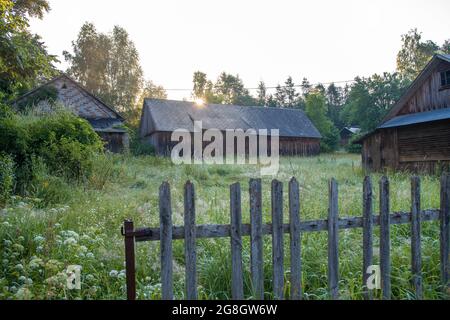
[108, 65]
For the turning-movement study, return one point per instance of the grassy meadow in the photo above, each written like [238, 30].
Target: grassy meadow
[40, 239]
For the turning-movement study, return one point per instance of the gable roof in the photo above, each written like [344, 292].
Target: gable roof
[415, 118]
[84, 95]
[351, 130]
[170, 115]
[421, 78]
[410, 119]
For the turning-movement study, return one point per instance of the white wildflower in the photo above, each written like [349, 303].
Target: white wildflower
[39, 239]
[113, 273]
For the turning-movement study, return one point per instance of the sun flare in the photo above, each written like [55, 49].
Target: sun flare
[199, 102]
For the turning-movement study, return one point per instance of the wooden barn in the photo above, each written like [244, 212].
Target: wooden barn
[160, 118]
[347, 133]
[415, 135]
[104, 119]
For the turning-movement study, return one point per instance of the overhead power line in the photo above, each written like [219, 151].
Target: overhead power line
[270, 88]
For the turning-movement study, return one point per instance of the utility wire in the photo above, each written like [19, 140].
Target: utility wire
[270, 88]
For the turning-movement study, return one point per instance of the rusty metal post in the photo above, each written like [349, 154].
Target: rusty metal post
[130, 265]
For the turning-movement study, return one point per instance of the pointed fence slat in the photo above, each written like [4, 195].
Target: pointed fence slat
[277, 240]
[130, 261]
[237, 285]
[256, 239]
[385, 239]
[333, 241]
[165, 215]
[190, 241]
[367, 234]
[295, 239]
[416, 254]
[445, 231]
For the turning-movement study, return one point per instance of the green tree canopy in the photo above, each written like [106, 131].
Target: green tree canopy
[316, 109]
[24, 60]
[107, 65]
[415, 53]
[371, 98]
[228, 89]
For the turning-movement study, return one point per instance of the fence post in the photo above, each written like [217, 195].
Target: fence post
[416, 254]
[277, 240]
[367, 234]
[165, 215]
[256, 239]
[385, 239]
[333, 241]
[130, 262]
[445, 231]
[190, 241]
[295, 238]
[237, 285]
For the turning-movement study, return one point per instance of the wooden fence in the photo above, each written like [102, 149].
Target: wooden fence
[166, 233]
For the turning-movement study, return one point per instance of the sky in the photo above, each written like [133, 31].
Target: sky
[322, 40]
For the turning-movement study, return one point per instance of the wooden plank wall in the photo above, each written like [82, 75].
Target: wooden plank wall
[288, 146]
[429, 96]
[419, 148]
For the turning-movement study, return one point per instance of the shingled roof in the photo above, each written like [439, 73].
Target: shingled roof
[80, 101]
[169, 115]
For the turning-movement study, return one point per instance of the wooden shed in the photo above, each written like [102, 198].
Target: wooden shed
[415, 134]
[160, 118]
[347, 133]
[107, 122]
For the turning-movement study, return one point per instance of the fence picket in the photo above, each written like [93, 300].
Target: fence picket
[256, 239]
[385, 239]
[237, 286]
[130, 261]
[190, 241]
[165, 213]
[367, 234]
[295, 239]
[416, 254]
[333, 241]
[190, 232]
[277, 240]
[445, 231]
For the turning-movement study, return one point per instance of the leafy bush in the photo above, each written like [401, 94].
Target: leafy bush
[354, 148]
[50, 189]
[5, 111]
[64, 142]
[103, 170]
[138, 147]
[330, 140]
[6, 178]
[48, 94]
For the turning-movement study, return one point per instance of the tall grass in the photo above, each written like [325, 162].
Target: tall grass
[37, 245]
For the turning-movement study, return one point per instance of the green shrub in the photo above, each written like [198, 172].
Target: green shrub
[48, 94]
[103, 170]
[48, 188]
[15, 141]
[5, 111]
[138, 147]
[352, 147]
[6, 178]
[64, 142]
[330, 140]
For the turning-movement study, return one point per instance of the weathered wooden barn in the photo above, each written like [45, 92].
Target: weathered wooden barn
[104, 119]
[347, 133]
[415, 135]
[160, 118]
